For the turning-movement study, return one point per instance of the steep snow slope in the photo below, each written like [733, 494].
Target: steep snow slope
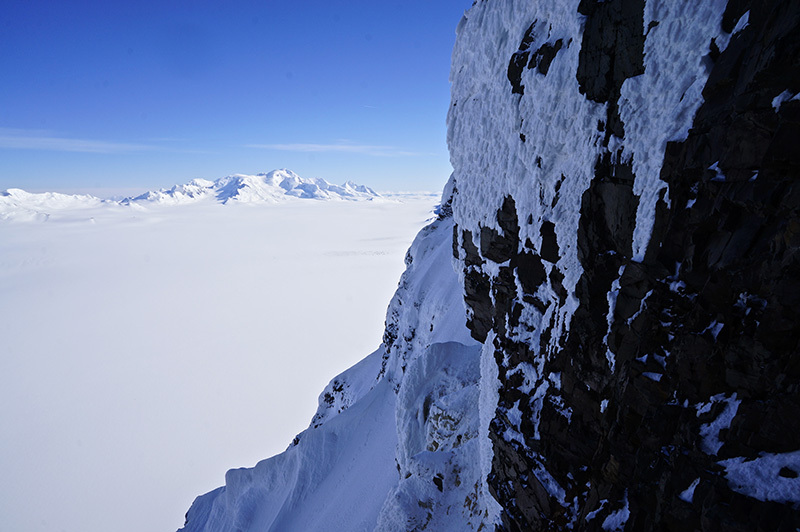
[342, 471]
[390, 435]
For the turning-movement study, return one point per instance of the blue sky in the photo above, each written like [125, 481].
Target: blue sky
[119, 97]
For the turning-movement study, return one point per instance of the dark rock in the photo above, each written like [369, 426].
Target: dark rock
[711, 311]
[549, 251]
[530, 271]
[518, 61]
[612, 51]
[541, 58]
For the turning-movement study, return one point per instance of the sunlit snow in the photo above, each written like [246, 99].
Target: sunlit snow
[146, 350]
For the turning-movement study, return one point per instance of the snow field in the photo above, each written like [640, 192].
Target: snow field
[146, 351]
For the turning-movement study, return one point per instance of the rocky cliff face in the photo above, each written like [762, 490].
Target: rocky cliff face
[601, 329]
[627, 231]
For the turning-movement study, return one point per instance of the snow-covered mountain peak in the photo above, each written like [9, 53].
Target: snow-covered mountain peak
[278, 176]
[271, 187]
[18, 204]
[200, 182]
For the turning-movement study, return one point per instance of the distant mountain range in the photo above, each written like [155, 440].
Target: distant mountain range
[272, 187]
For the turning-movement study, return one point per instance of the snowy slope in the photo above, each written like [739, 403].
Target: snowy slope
[390, 435]
[342, 471]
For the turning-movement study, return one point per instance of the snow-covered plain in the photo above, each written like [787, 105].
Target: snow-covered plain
[146, 349]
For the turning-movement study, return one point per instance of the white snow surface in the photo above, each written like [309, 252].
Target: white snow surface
[711, 443]
[145, 351]
[760, 478]
[395, 443]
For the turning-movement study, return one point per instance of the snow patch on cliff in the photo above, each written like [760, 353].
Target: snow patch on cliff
[659, 106]
[770, 477]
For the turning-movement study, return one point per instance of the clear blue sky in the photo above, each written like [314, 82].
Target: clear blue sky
[141, 95]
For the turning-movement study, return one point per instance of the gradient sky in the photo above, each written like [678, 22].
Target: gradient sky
[107, 97]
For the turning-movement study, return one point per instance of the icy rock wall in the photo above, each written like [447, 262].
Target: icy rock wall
[627, 237]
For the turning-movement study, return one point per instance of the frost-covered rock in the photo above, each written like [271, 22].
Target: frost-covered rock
[626, 201]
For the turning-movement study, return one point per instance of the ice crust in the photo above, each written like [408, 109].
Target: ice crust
[617, 519]
[559, 123]
[659, 105]
[785, 96]
[688, 494]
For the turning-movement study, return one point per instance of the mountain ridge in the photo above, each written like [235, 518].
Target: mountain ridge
[277, 186]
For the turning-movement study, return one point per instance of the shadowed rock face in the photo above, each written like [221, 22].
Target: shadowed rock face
[709, 317]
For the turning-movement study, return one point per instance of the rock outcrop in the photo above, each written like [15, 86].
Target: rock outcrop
[644, 327]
